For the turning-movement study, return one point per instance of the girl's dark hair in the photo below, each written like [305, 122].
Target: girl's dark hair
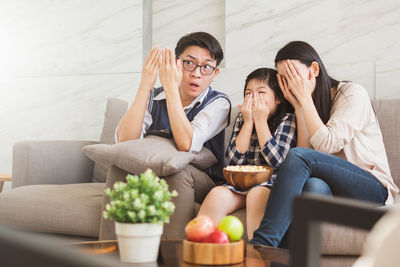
[306, 54]
[203, 40]
[268, 76]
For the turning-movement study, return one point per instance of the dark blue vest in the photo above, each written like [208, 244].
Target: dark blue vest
[159, 114]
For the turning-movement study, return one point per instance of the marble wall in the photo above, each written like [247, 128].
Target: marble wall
[61, 60]
[357, 40]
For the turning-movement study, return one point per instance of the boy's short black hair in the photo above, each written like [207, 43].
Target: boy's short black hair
[203, 40]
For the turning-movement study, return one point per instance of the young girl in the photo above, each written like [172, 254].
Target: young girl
[263, 133]
[337, 121]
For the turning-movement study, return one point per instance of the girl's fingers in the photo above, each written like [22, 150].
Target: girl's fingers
[247, 99]
[256, 100]
[247, 102]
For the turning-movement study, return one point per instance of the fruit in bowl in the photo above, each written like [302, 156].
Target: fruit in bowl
[246, 176]
[232, 226]
[199, 228]
[203, 229]
[221, 247]
[218, 236]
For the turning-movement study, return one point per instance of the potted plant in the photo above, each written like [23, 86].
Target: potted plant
[139, 208]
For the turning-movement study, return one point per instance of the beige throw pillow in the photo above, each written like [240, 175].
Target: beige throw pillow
[154, 152]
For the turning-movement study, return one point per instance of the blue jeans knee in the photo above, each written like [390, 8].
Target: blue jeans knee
[317, 186]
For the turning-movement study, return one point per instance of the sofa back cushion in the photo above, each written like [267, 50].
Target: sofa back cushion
[388, 113]
[115, 109]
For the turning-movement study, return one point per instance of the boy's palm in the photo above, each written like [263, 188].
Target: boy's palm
[170, 71]
[150, 68]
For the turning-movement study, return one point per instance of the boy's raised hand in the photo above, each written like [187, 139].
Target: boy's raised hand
[150, 69]
[170, 71]
[246, 109]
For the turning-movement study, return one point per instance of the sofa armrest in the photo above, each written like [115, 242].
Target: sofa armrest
[51, 162]
[310, 211]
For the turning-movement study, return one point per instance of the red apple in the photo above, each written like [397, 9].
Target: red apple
[199, 228]
[217, 237]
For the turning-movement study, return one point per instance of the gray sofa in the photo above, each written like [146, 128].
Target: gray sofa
[58, 190]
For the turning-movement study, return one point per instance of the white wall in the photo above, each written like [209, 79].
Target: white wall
[61, 60]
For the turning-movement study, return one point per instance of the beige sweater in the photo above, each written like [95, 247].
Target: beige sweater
[353, 133]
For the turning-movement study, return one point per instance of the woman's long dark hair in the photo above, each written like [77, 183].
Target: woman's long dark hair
[306, 54]
[269, 77]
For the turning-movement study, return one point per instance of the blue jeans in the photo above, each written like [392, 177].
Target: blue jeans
[342, 177]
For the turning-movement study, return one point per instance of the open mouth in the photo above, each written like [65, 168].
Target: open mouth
[194, 85]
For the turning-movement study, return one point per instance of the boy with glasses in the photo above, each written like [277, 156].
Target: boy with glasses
[188, 110]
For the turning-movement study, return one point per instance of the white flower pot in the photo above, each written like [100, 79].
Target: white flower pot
[138, 242]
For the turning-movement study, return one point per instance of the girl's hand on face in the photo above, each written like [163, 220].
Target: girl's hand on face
[170, 71]
[287, 93]
[261, 109]
[246, 109]
[300, 86]
[150, 68]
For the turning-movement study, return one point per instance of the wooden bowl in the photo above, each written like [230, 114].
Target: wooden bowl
[244, 180]
[213, 254]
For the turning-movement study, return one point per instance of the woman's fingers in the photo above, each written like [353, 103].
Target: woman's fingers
[296, 70]
[292, 69]
[289, 73]
[285, 85]
[280, 83]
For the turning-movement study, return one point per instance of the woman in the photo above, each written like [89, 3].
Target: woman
[341, 141]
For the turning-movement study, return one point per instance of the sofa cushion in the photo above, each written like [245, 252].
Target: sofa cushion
[154, 152]
[342, 240]
[336, 239]
[388, 111]
[115, 109]
[72, 209]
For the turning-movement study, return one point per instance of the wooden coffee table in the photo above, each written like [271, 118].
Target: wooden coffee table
[171, 254]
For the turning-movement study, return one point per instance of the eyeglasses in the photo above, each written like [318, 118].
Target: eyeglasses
[204, 69]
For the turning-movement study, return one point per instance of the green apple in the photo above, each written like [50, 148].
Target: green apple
[232, 226]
